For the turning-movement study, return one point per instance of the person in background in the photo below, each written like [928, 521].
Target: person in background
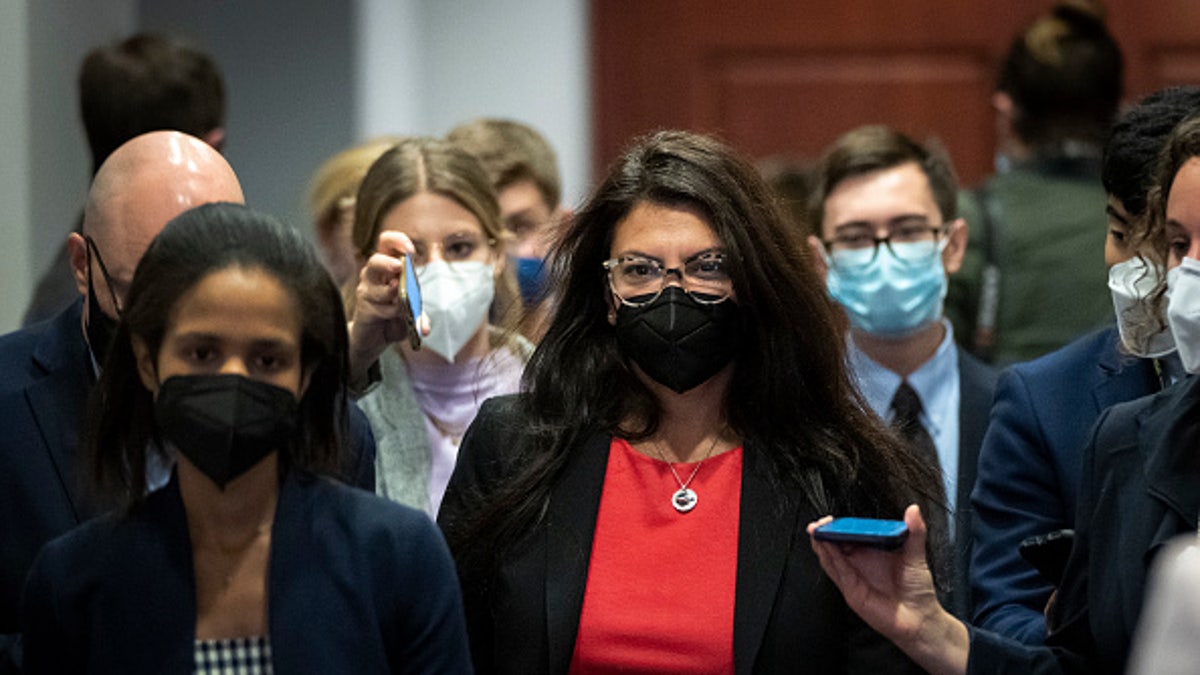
[1031, 279]
[143, 83]
[792, 181]
[524, 172]
[432, 200]
[1032, 455]
[1139, 489]
[885, 210]
[331, 204]
[640, 506]
[231, 358]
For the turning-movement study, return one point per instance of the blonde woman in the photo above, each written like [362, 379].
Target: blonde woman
[432, 200]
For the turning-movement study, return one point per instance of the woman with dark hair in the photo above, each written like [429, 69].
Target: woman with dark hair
[641, 506]
[230, 361]
[1140, 487]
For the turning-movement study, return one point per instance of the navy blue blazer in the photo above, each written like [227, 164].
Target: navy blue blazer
[1139, 488]
[524, 619]
[355, 584]
[1029, 469]
[45, 375]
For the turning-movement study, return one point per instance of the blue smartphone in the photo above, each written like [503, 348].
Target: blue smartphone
[411, 298]
[885, 534]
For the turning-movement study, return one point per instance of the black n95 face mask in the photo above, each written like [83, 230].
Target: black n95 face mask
[677, 340]
[225, 424]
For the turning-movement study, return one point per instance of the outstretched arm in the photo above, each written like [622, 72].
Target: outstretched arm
[893, 592]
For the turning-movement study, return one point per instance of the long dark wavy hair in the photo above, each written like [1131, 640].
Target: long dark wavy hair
[791, 399]
[195, 244]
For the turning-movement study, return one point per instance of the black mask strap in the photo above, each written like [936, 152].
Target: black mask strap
[112, 294]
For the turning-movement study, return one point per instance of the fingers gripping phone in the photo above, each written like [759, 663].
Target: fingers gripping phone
[410, 301]
[888, 535]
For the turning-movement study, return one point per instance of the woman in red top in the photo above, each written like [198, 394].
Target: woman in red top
[641, 507]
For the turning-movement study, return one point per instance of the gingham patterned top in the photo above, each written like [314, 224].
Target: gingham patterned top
[238, 656]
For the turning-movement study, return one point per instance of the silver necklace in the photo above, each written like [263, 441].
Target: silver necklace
[685, 498]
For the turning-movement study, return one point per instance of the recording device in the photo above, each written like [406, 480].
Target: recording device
[1048, 553]
[410, 299]
[888, 535]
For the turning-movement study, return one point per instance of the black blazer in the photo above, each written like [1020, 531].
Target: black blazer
[355, 584]
[46, 373]
[43, 395]
[1140, 488]
[787, 614]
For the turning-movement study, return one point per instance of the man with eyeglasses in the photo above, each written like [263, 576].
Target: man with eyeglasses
[884, 208]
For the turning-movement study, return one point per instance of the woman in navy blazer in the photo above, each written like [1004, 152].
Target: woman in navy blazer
[230, 361]
[691, 340]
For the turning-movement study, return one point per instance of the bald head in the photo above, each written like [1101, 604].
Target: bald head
[140, 187]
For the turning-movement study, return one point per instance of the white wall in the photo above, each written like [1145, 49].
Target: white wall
[389, 62]
[427, 65]
[524, 59]
[305, 78]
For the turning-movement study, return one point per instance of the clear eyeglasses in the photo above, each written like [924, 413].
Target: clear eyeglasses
[638, 280]
[912, 242]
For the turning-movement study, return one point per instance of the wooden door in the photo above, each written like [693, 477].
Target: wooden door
[783, 78]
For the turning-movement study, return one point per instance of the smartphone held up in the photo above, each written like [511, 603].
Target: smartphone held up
[410, 301]
[888, 535]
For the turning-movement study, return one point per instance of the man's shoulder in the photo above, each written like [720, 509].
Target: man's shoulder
[1093, 350]
[49, 338]
[30, 352]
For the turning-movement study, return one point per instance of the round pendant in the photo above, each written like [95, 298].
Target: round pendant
[684, 500]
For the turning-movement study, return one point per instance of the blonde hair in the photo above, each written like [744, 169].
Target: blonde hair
[335, 184]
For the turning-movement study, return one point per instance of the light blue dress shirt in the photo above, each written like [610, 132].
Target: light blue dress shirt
[937, 385]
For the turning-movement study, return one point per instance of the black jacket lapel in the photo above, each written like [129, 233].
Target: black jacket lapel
[570, 528]
[766, 530]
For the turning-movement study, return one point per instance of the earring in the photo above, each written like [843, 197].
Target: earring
[612, 316]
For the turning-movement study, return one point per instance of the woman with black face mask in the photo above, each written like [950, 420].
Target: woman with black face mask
[641, 507]
[230, 360]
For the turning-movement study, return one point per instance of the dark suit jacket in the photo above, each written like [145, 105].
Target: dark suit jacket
[1140, 487]
[977, 382]
[45, 375]
[1029, 469]
[787, 613]
[356, 584]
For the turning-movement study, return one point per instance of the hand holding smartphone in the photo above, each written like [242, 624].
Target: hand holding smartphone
[888, 535]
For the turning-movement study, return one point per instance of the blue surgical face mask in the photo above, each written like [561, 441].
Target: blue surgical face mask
[891, 295]
[531, 279]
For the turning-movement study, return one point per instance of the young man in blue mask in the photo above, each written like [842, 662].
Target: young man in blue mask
[884, 208]
[524, 171]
